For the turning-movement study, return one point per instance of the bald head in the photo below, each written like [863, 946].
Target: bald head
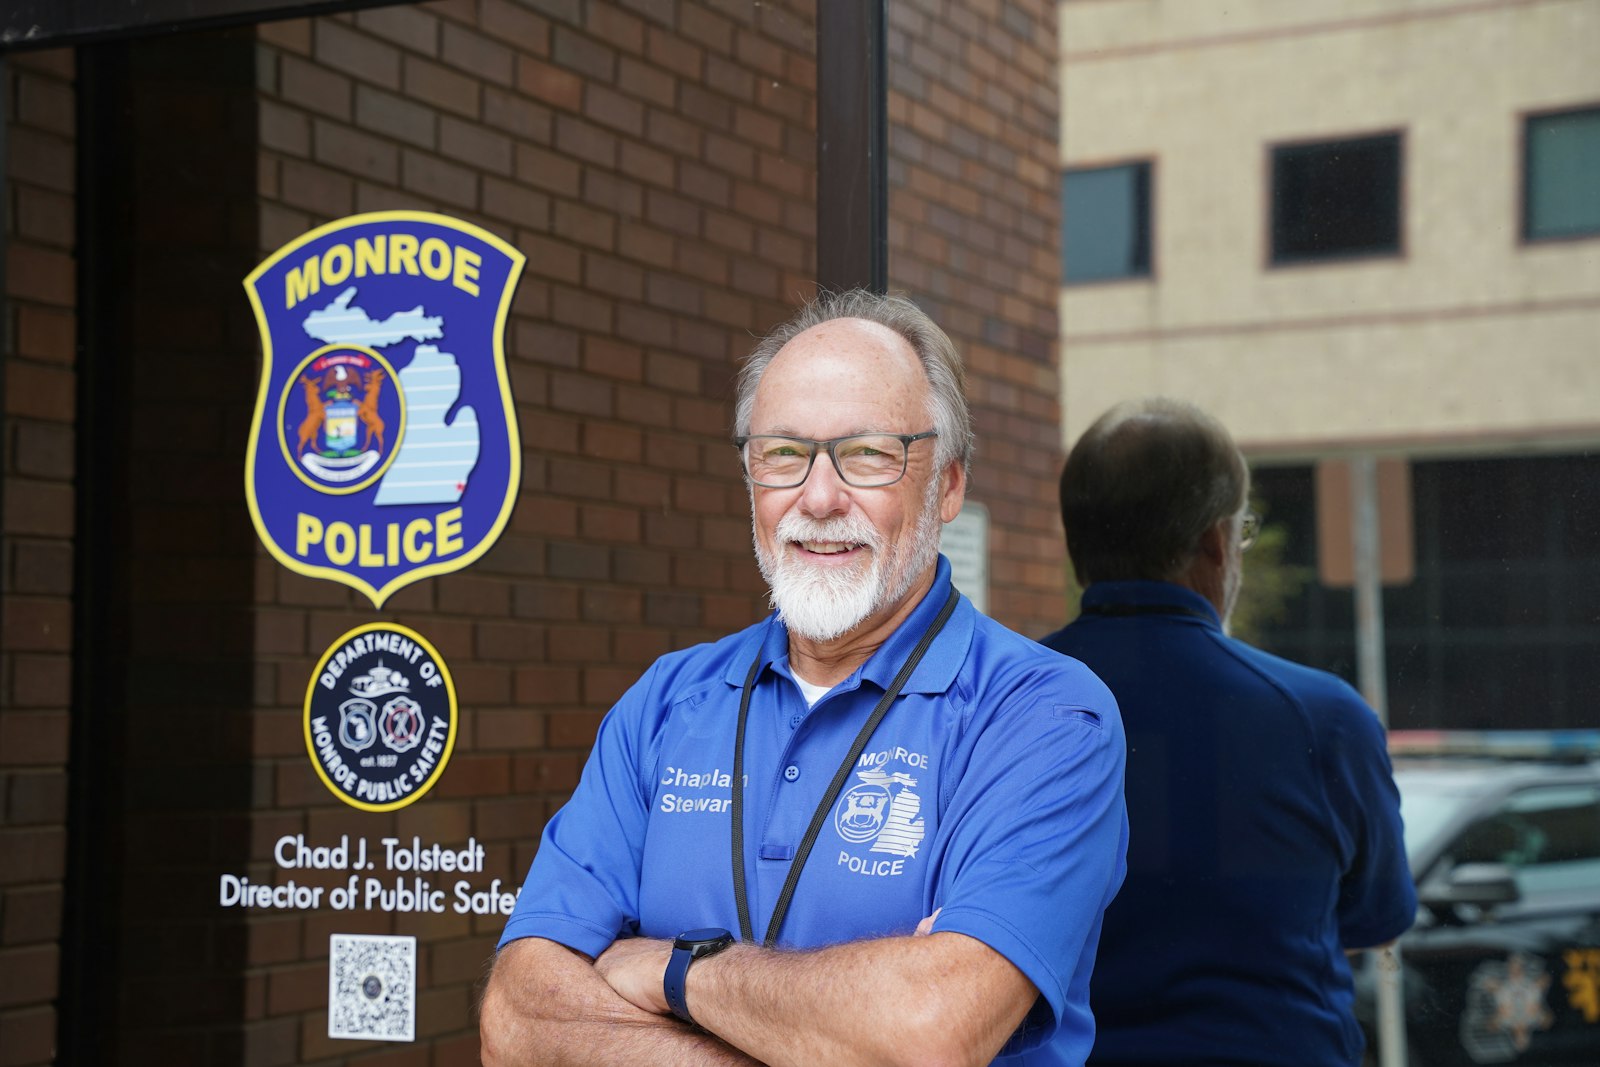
[935, 352]
[1141, 487]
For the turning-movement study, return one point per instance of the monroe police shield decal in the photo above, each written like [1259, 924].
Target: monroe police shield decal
[380, 717]
[384, 444]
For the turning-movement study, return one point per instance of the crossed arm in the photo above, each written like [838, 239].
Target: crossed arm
[548, 1005]
[939, 999]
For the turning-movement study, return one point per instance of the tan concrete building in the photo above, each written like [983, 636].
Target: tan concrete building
[1362, 226]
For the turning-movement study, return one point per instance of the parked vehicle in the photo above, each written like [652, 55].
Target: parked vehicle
[1503, 834]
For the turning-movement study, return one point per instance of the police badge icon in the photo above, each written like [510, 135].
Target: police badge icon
[380, 717]
[384, 445]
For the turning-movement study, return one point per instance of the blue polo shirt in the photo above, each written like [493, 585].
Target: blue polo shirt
[1265, 840]
[992, 789]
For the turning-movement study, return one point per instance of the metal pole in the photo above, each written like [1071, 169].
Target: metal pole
[1391, 1007]
[1368, 584]
[1371, 671]
[852, 139]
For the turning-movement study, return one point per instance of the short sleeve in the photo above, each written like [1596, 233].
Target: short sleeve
[583, 887]
[1039, 844]
[1377, 898]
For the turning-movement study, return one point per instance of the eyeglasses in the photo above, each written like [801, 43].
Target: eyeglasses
[1249, 530]
[864, 460]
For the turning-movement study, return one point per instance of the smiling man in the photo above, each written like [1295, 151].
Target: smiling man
[876, 827]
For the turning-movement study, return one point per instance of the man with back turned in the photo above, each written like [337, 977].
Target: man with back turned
[1264, 821]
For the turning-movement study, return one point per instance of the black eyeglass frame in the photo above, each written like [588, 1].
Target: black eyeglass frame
[814, 446]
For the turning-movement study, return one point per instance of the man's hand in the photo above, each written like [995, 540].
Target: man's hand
[635, 967]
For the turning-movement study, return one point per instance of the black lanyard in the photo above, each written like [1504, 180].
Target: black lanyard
[821, 814]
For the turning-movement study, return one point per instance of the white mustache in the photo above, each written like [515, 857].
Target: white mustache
[854, 531]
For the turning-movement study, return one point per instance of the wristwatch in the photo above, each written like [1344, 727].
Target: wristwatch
[691, 945]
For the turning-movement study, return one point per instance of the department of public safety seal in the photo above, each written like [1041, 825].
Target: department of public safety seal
[380, 717]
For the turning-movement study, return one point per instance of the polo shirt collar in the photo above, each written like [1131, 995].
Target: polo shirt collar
[934, 674]
[1185, 603]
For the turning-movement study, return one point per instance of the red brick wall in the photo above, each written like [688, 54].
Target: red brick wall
[974, 223]
[38, 349]
[655, 161]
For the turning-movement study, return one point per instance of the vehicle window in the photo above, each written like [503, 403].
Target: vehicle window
[1425, 809]
[1550, 838]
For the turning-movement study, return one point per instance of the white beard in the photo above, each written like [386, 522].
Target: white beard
[824, 603]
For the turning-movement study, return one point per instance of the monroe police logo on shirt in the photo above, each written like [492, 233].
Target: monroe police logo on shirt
[384, 445]
[881, 813]
[380, 717]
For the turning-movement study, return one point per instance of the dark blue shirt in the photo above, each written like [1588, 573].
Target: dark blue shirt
[1264, 840]
[992, 789]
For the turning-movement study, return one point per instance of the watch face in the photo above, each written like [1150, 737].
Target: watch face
[701, 939]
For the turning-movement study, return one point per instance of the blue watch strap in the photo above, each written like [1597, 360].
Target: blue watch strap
[675, 979]
[689, 946]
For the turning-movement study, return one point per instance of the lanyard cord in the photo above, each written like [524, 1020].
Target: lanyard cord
[839, 778]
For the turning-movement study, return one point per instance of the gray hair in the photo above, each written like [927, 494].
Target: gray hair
[947, 379]
[1143, 484]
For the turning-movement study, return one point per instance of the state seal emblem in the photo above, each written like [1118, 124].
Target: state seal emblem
[380, 717]
[884, 810]
[384, 445]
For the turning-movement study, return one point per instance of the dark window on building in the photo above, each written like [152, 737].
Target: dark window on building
[1498, 628]
[1561, 175]
[1336, 200]
[1105, 223]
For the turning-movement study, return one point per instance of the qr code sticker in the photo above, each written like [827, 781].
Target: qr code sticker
[372, 987]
